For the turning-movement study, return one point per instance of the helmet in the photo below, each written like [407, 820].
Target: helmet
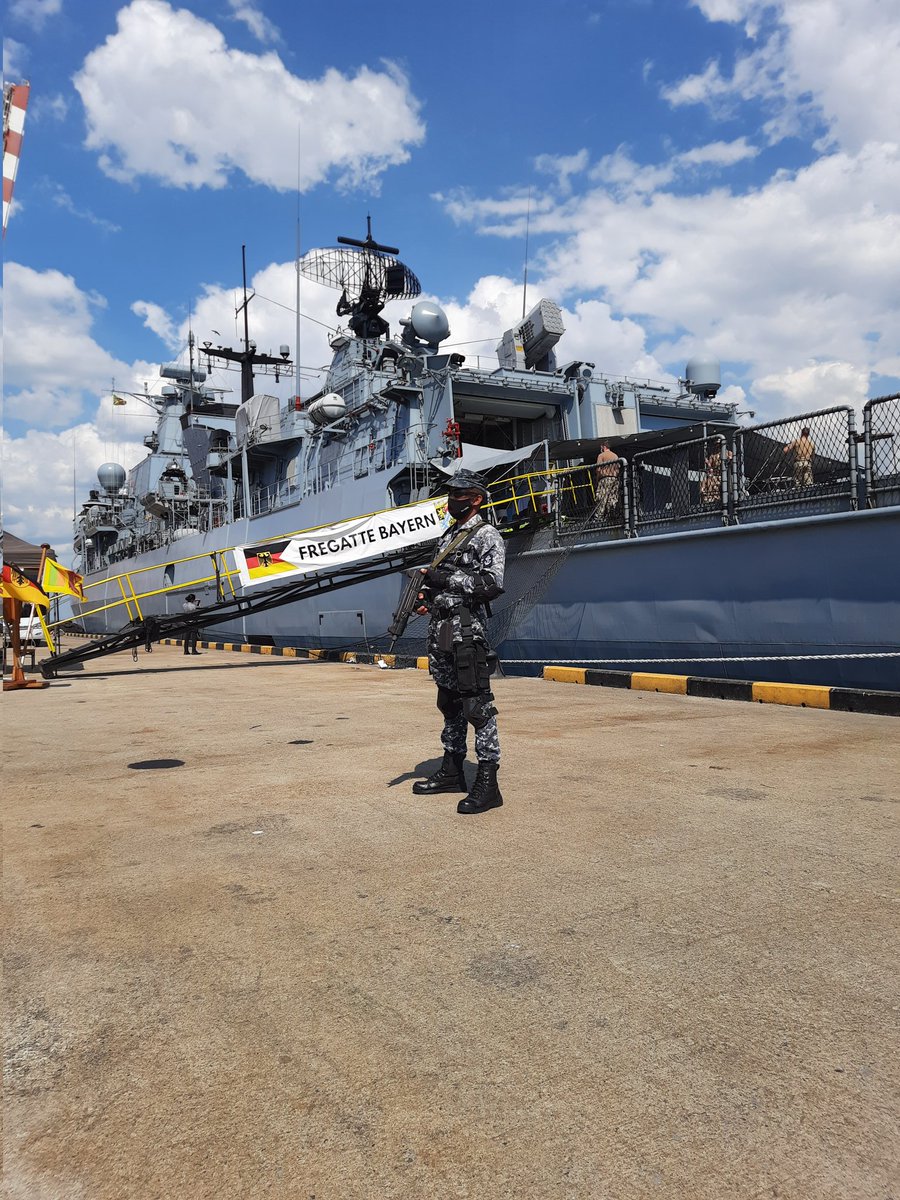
[190, 596]
[467, 481]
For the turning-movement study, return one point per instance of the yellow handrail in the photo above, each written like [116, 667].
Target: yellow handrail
[550, 485]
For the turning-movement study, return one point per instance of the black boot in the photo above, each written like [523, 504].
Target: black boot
[449, 777]
[484, 794]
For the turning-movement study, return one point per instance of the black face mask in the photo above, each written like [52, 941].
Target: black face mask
[458, 507]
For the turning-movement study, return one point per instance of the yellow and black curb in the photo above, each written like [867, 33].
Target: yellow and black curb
[345, 656]
[803, 695]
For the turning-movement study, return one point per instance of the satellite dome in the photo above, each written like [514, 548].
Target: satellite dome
[703, 375]
[429, 321]
[328, 408]
[111, 477]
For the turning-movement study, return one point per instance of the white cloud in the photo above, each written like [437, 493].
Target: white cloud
[54, 370]
[562, 166]
[53, 108]
[792, 282]
[56, 374]
[62, 199]
[15, 56]
[720, 154]
[227, 110]
[34, 13]
[822, 60]
[39, 470]
[159, 321]
[256, 21]
[814, 386]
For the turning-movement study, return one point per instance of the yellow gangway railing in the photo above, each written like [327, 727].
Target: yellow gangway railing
[518, 493]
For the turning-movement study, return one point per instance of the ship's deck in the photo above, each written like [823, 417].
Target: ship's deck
[663, 968]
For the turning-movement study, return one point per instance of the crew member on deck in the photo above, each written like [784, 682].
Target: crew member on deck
[457, 593]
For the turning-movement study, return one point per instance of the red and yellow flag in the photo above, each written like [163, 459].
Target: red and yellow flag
[19, 587]
[59, 579]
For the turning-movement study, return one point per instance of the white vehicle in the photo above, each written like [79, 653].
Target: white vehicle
[30, 632]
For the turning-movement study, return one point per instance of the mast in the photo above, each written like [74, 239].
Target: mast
[248, 358]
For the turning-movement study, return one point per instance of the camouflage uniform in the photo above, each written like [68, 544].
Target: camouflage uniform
[475, 572]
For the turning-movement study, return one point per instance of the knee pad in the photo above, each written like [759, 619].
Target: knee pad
[449, 703]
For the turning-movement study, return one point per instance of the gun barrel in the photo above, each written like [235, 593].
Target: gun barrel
[407, 606]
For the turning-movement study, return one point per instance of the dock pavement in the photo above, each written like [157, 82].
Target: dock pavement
[243, 960]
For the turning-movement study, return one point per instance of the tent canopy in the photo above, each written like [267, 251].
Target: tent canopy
[24, 555]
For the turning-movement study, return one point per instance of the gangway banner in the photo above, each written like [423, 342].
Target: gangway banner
[378, 535]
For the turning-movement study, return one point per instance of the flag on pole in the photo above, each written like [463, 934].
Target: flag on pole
[117, 400]
[18, 586]
[59, 579]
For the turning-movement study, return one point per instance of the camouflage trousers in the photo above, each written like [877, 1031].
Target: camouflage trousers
[461, 709]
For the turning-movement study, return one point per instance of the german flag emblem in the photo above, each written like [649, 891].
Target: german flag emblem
[265, 561]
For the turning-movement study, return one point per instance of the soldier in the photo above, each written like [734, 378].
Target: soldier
[460, 659]
[190, 605]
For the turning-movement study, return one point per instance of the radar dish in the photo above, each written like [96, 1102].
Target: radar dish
[368, 275]
[355, 270]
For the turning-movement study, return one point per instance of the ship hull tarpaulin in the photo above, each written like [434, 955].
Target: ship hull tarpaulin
[803, 601]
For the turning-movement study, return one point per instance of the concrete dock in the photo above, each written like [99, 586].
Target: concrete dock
[243, 960]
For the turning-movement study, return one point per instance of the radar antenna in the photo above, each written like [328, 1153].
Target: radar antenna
[368, 275]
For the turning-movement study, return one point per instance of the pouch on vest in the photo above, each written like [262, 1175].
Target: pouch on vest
[445, 637]
[466, 667]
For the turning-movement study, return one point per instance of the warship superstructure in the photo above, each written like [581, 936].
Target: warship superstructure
[704, 544]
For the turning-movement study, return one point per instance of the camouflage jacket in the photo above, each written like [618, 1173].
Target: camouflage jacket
[474, 575]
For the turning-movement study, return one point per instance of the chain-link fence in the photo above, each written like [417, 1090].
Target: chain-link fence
[796, 466]
[881, 434]
[593, 499]
[685, 485]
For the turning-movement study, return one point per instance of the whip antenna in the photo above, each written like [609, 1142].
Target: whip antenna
[525, 278]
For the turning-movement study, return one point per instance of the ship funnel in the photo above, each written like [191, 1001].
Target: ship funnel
[112, 478]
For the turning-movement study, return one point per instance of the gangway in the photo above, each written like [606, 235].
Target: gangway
[144, 632]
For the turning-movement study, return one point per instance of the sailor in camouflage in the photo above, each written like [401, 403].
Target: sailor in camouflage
[457, 592]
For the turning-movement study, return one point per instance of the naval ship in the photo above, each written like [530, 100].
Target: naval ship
[699, 544]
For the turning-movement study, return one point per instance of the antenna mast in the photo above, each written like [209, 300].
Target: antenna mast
[248, 358]
[525, 278]
[297, 268]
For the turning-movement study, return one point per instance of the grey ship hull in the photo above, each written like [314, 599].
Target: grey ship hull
[799, 598]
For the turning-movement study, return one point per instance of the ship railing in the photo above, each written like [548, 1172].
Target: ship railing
[684, 486]
[881, 441]
[794, 467]
[593, 499]
[520, 500]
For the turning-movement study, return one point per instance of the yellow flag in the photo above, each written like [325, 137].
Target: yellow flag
[118, 400]
[59, 579]
[19, 587]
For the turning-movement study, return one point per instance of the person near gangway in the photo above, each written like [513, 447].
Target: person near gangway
[190, 605]
[457, 593]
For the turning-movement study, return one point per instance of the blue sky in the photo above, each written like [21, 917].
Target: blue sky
[714, 175]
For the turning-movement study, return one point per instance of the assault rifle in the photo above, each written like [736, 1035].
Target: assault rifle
[415, 594]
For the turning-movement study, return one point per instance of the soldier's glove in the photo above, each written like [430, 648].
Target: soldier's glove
[437, 577]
